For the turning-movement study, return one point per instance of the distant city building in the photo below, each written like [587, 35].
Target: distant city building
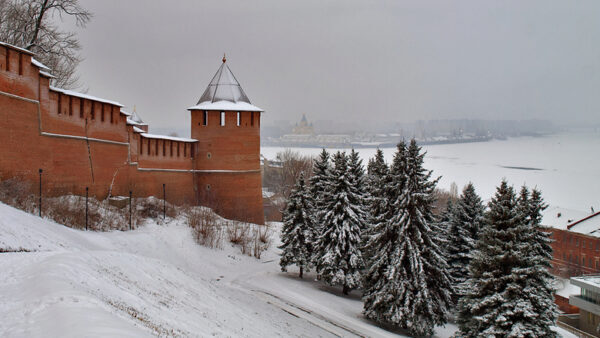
[303, 127]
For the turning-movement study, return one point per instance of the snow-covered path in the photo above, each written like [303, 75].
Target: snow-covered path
[157, 281]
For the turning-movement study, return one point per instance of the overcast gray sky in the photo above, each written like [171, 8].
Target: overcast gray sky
[397, 60]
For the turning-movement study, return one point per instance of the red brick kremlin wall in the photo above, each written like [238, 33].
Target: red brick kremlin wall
[81, 141]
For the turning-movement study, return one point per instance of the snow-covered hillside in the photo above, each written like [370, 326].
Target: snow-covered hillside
[157, 281]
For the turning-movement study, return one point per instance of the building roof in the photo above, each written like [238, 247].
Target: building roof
[590, 282]
[589, 225]
[134, 119]
[224, 92]
[572, 220]
[561, 218]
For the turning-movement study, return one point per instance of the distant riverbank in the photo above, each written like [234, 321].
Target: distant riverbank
[567, 165]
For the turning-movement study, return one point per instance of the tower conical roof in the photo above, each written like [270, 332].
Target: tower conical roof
[224, 93]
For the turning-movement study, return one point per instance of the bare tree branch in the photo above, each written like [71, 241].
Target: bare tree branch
[30, 24]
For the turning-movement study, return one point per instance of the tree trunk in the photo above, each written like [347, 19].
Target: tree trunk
[301, 272]
[38, 24]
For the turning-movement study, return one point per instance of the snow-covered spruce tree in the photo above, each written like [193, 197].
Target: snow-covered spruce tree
[319, 186]
[443, 225]
[377, 181]
[464, 224]
[541, 252]
[357, 180]
[296, 234]
[407, 283]
[338, 258]
[502, 295]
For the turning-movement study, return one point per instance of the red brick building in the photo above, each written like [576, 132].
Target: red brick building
[576, 246]
[83, 141]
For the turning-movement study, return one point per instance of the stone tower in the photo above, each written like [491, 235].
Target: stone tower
[227, 161]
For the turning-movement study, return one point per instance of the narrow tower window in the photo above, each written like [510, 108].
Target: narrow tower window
[205, 118]
[81, 108]
[252, 119]
[239, 119]
[222, 118]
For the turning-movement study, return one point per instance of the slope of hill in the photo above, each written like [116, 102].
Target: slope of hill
[61, 282]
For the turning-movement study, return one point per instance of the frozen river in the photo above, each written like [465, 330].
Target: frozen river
[565, 166]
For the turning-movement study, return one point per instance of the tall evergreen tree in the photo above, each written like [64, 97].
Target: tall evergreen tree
[377, 181]
[320, 179]
[358, 186]
[540, 251]
[464, 224]
[320, 182]
[297, 234]
[338, 258]
[503, 298]
[407, 283]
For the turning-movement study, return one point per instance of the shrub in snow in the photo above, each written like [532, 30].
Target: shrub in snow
[297, 231]
[337, 253]
[207, 231]
[407, 284]
[19, 194]
[508, 293]
[69, 210]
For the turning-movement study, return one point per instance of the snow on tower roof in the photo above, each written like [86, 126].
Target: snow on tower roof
[224, 92]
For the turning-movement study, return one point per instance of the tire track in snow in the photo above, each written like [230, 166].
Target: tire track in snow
[316, 319]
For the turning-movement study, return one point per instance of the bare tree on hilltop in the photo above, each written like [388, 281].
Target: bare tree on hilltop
[31, 24]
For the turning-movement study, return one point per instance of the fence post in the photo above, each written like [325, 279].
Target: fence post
[130, 210]
[40, 199]
[87, 189]
[164, 203]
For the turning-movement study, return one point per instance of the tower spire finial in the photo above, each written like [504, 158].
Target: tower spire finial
[224, 58]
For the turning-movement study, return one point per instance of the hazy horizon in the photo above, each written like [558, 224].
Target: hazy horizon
[350, 60]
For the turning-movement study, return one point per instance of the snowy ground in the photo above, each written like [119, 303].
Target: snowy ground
[157, 281]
